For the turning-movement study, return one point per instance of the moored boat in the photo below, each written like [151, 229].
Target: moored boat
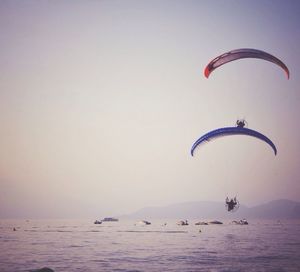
[182, 223]
[143, 222]
[201, 223]
[241, 222]
[215, 222]
[110, 219]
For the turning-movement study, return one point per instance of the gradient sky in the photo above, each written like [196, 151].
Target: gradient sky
[100, 102]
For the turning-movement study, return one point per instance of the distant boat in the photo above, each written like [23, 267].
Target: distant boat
[182, 223]
[110, 219]
[241, 222]
[215, 222]
[143, 222]
[98, 222]
[201, 223]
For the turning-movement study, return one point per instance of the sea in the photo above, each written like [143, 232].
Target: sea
[81, 245]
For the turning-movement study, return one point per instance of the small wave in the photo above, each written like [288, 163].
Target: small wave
[48, 230]
[127, 270]
[8, 240]
[57, 231]
[153, 231]
[267, 257]
[75, 246]
[100, 261]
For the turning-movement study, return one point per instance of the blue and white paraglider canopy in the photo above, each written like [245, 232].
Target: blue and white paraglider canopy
[228, 131]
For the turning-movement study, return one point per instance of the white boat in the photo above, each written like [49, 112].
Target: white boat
[241, 222]
[98, 222]
[201, 223]
[143, 222]
[182, 223]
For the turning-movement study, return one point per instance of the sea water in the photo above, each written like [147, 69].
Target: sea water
[80, 245]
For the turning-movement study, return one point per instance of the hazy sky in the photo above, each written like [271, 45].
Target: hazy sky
[100, 102]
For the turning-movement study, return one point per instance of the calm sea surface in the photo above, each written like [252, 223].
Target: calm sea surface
[69, 245]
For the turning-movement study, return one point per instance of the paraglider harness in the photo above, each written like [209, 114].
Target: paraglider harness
[232, 205]
[240, 123]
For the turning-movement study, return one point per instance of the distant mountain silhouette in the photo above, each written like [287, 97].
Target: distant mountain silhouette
[277, 209]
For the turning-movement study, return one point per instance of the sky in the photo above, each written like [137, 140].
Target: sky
[101, 101]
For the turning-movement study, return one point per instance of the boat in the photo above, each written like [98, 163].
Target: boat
[241, 222]
[143, 222]
[110, 219]
[215, 222]
[182, 223]
[98, 222]
[201, 223]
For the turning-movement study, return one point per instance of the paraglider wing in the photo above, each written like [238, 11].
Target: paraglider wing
[228, 131]
[241, 54]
